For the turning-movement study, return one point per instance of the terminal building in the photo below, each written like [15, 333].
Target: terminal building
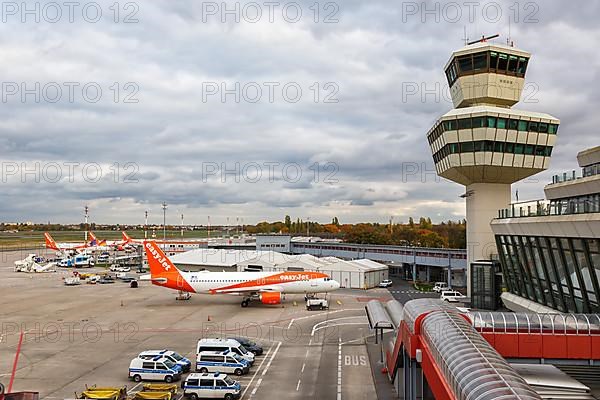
[550, 249]
[410, 263]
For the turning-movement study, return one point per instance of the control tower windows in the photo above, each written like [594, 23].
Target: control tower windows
[480, 62]
[491, 145]
[465, 64]
[522, 66]
[512, 64]
[484, 62]
[502, 63]
[533, 126]
[464, 123]
[490, 122]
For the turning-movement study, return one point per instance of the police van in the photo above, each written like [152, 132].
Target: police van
[225, 361]
[215, 385]
[172, 356]
[221, 345]
[155, 369]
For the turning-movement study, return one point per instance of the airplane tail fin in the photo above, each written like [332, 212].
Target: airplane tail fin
[126, 236]
[50, 243]
[93, 239]
[162, 271]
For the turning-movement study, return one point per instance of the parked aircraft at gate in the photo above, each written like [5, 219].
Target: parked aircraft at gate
[268, 287]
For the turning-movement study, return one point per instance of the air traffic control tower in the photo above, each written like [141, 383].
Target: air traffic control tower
[483, 143]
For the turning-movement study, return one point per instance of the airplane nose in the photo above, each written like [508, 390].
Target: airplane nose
[335, 285]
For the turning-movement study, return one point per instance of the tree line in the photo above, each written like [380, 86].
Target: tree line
[448, 234]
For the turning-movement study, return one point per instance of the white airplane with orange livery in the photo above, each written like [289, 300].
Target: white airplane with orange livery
[63, 247]
[268, 287]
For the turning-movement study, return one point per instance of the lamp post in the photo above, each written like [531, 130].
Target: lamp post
[145, 224]
[86, 209]
[164, 207]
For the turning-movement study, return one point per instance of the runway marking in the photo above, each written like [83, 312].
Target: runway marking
[256, 372]
[298, 385]
[316, 315]
[339, 372]
[319, 325]
[259, 381]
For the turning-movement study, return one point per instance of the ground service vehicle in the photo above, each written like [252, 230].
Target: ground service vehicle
[156, 369]
[170, 355]
[452, 296]
[211, 386]
[317, 304]
[226, 361]
[234, 346]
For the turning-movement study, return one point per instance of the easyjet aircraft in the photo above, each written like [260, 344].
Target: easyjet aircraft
[268, 287]
[63, 247]
[73, 247]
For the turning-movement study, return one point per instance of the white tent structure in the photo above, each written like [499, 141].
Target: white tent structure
[355, 274]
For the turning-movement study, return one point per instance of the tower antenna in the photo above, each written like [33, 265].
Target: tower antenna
[483, 39]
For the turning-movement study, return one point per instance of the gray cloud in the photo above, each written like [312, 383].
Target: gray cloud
[373, 136]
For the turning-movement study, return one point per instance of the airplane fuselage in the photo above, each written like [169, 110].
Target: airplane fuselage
[235, 282]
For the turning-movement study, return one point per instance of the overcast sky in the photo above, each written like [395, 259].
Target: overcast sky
[262, 109]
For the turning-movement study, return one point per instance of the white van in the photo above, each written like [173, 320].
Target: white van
[156, 369]
[221, 345]
[452, 296]
[212, 386]
[170, 355]
[221, 361]
[440, 287]
[82, 260]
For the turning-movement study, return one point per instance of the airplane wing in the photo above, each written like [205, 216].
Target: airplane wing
[246, 290]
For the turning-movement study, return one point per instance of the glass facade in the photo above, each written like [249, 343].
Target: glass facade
[484, 62]
[515, 124]
[491, 145]
[561, 273]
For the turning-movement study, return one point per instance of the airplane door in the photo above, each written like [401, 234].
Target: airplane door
[313, 281]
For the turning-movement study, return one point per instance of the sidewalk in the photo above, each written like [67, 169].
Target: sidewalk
[384, 388]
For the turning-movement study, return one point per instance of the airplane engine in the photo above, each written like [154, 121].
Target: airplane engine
[270, 298]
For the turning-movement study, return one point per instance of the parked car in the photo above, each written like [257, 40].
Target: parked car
[249, 345]
[386, 283]
[452, 296]
[211, 385]
[440, 287]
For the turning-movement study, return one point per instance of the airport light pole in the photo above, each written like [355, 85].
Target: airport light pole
[164, 207]
[86, 209]
[182, 226]
[146, 224]
[208, 233]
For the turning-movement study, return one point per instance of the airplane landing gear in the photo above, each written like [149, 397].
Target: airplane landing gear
[245, 303]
